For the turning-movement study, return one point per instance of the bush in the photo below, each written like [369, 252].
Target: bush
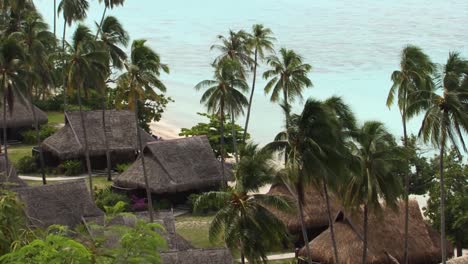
[71, 167]
[107, 198]
[26, 164]
[207, 209]
[122, 167]
[29, 136]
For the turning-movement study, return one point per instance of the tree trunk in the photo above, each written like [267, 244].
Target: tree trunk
[64, 32]
[223, 184]
[443, 246]
[85, 135]
[407, 188]
[304, 230]
[364, 247]
[459, 250]
[38, 139]
[5, 141]
[106, 139]
[64, 77]
[330, 223]
[55, 18]
[244, 137]
[145, 175]
[286, 107]
[100, 24]
[234, 137]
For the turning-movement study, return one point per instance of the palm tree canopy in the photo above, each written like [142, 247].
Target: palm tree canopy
[235, 48]
[73, 10]
[260, 40]
[112, 3]
[288, 74]
[112, 35]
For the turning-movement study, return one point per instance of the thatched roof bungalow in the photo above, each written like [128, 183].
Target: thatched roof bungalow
[21, 117]
[174, 166]
[385, 239]
[62, 204]
[68, 142]
[10, 179]
[315, 211]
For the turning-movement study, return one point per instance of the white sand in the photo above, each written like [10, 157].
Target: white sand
[165, 130]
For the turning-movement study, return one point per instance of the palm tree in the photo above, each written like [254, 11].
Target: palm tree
[260, 41]
[243, 218]
[222, 93]
[55, 18]
[141, 78]
[415, 74]
[378, 155]
[73, 10]
[234, 48]
[446, 119]
[87, 63]
[288, 76]
[107, 4]
[112, 35]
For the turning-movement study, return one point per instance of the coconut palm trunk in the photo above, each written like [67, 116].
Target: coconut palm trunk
[5, 142]
[304, 231]
[247, 119]
[234, 137]
[330, 223]
[55, 18]
[102, 20]
[106, 140]
[442, 187]
[364, 247]
[223, 184]
[86, 148]
[145, 175]
[38, 139]
[407, 185]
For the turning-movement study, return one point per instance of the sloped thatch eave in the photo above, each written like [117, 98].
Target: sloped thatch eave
[22, 115]
[10, 180]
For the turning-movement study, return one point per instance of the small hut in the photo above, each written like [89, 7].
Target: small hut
[315, 211]
[385, 238]
[61, 204]
[68, 142]
[21, 118]
[175, 167]
[11, 179]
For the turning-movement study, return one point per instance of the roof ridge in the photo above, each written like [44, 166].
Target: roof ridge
[73, 130]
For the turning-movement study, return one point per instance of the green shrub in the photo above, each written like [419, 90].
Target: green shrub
[106, 198]
[71, 167]
[122, 167]
[205, 210]
[26, 164]
[29, 136]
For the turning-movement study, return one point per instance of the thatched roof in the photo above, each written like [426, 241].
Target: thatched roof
[385, 238]
[22, 115]
[315, 209]
[68, 142]
[11, 179]
[62, 203]
[198, 256]
[174, 166]
[435, 237]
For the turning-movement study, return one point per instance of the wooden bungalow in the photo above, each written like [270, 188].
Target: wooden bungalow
[58, 204]
[175, 168]
[10, 179]
[21, 118]
[68, 142]
[385, 239]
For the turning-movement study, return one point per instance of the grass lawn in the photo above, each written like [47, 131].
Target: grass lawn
[195, 230]
[55, 118]
[99, 182]
[16, 152]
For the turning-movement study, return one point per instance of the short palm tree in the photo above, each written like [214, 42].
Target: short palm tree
[378, 155]
[243, 218]
[72, 10]
[223, 93]
[414, 76]
[142, 77]
[288, 76]
[446, 119]
[87, 63]
[260, 41]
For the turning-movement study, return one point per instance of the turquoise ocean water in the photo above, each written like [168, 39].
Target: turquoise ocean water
[353, 46]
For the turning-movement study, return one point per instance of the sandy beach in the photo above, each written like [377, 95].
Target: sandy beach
[165, 130]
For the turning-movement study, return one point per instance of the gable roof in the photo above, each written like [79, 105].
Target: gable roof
[62, 204]
[10, 180]
[22, 115]
[385, 238]
[68, 142]
[174, 166]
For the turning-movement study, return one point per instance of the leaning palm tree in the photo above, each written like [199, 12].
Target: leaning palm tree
[223, 93]
[86, 63]
[107, 4]
[446, 119]
[415, 75]
[288, 76]
[378, 155]
[260, 41]
[244, 219]
[73, 10]
[142, 77]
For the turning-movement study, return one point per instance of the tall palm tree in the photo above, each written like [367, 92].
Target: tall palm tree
[243, 218]
[113, 35]
[142, 77]
[288, 75]
[446, 120]
[378, 155]
[86, 64]
[234, 47]
[73, 10]
[260, 41]
[222, 93]
[55, 18]
[107, 4]
[415, 75]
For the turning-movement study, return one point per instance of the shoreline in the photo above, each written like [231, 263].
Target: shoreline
[165, 129]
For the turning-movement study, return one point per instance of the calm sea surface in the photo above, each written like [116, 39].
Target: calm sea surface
[353, 46]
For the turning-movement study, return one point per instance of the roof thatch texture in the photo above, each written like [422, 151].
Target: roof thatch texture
[62, 203]
[68, 142]
[435, 237]
[174, 166]
[11, 179]
[385, 239]
[315, 209]
[22, 115]
[198, 256]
